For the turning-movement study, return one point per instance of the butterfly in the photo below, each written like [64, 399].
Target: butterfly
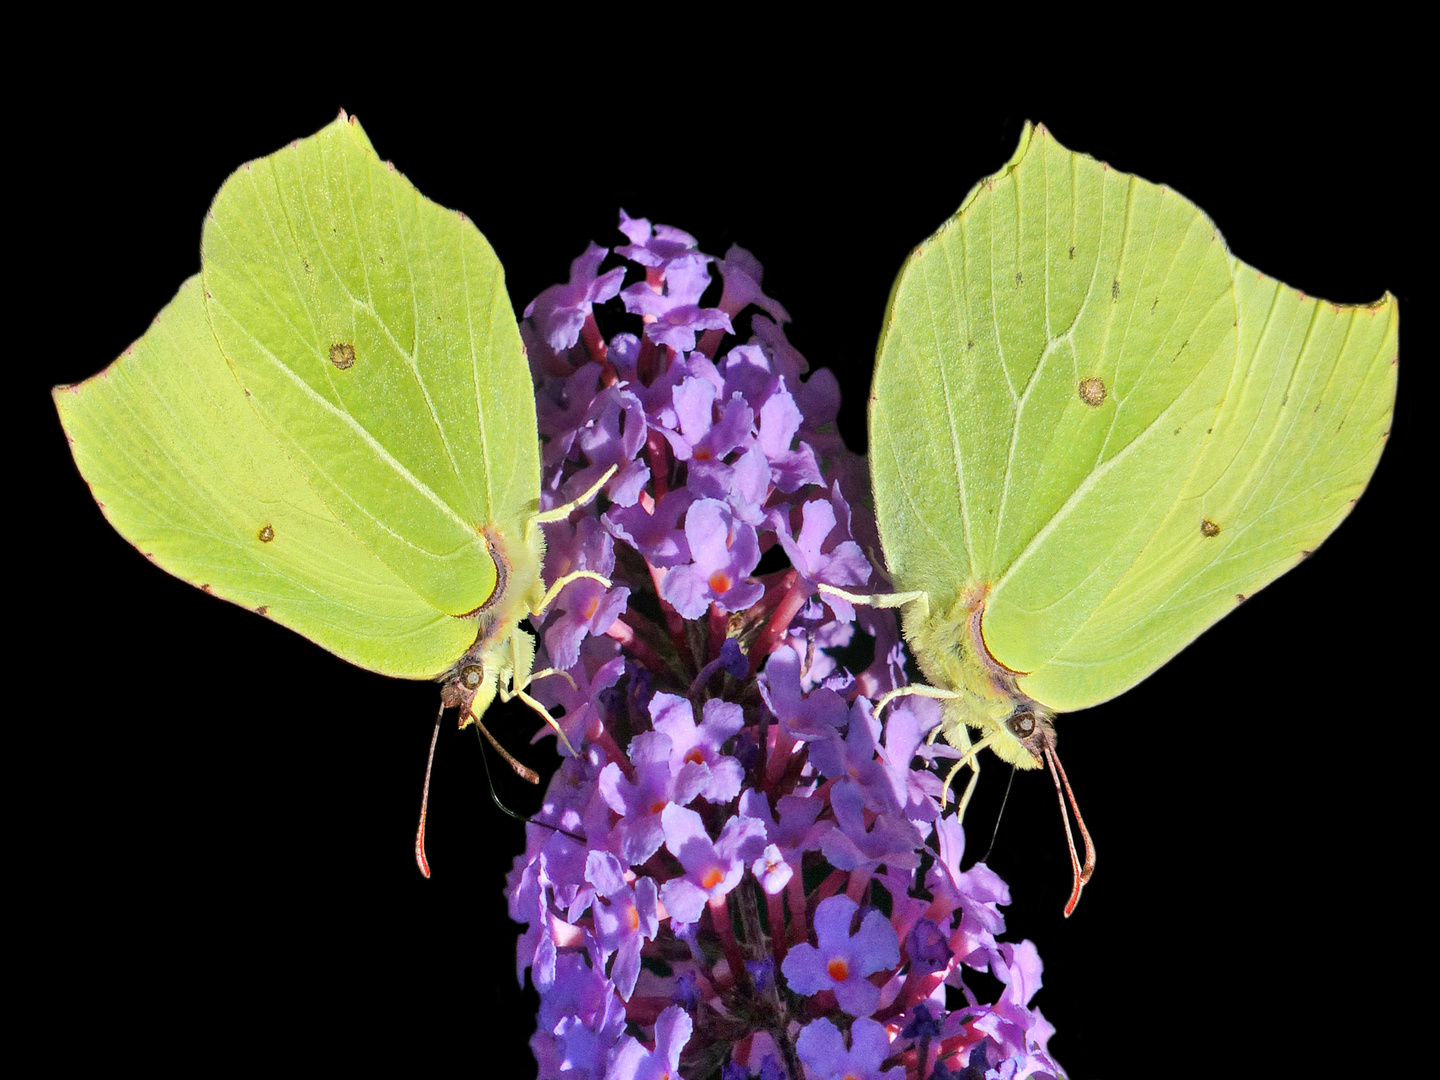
[333, 425]
[1093, 433]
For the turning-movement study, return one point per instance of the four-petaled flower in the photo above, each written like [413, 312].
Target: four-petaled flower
[840, 962]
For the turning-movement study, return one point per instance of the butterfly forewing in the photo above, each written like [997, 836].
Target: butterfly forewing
[372, 330]
[184, 470]
[1049, 364]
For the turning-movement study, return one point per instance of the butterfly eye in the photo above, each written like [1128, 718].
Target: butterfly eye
[472, 676]
[1022, 724]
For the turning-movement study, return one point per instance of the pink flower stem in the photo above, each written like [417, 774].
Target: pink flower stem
[790, 604]
[720, 916]
[795, 901]
[594, 343]
[656, 450]
[606, 741]
[719, 625]
[639, 649]
[855, 887]
[709, 342]
[779, 758]
[775, 912]
[645, 362]
[830, 886]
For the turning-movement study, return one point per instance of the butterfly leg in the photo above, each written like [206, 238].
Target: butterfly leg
[545, 673]
[514, 659]
[876, 600]
[970, 756]
[516, 692]
[916, 690]
[561, 582]
[560, 513]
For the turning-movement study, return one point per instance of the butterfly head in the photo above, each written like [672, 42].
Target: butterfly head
[1024, 736]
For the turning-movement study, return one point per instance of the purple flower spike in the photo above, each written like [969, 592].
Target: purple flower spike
[712, 868]
[839, 962]
[743, 486]
[561, 412]
[633, 1062]
[724, 551]
[582, 701]
[560, 311]
[613, 433]
[1022, 1033]
[822, 1051]
[717, 456]
[741, 272]
[675, 716]
[977, 892]
[917, 790]
[795, 834]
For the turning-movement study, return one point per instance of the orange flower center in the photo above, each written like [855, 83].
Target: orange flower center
[696, 755]
[720, 582]
[838, 969]
[656, 807]
[712, 877]
[702, 454]
[592, 607]
[634, 919]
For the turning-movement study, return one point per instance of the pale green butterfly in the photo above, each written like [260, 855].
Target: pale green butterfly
[1093, 433]
[333, 425]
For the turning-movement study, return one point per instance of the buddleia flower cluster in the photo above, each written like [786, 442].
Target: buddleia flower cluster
[738, 870]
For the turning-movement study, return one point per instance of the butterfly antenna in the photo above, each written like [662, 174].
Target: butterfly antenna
[1000, 815]
[1081, 874]
[420, 859]
[495, 798]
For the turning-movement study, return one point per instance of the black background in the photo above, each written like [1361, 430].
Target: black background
[217, 818]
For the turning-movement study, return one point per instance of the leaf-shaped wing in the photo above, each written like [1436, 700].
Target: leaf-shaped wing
[372, 330]
[184, 470]
[1050, 363]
